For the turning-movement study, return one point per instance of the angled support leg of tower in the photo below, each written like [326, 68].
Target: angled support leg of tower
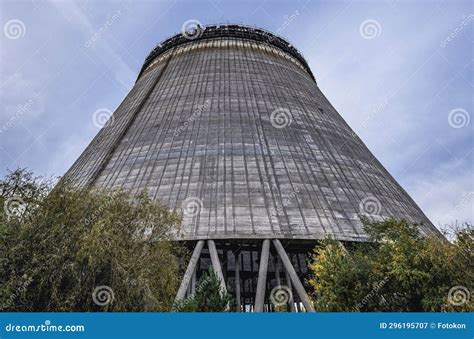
[276, 268]
[343, 248]
[262, 276]
[291, 300]
[193, 283]
[294, 277]
[216, 265]
[189, 271]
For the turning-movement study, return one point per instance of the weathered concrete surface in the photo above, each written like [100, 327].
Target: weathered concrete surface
[238, 130]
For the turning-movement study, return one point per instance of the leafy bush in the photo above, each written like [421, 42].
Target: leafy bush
[77, 249]
[400, 271]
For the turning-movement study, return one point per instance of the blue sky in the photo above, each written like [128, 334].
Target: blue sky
[400, 72]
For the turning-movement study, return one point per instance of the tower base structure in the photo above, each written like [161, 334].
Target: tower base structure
[262, 275]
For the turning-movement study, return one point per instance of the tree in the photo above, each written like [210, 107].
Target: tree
[398, 271]
[208, 297]
[69, 248]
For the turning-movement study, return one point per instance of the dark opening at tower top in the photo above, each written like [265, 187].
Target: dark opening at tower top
[197, 31]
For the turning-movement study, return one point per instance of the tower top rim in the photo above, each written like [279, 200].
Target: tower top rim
[200, 32]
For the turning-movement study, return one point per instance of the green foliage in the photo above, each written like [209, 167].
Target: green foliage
[62, 246]
[400, 271]
[208, 297]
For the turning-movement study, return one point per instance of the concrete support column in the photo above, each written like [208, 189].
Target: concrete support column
[294, 277]
[262, 276]
[343, 248]
[189, 270]
[291, 301]
[216, 265]
[237, 281]
[276, 265]
[193, 283]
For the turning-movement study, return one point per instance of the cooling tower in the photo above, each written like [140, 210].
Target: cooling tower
[227, 122]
